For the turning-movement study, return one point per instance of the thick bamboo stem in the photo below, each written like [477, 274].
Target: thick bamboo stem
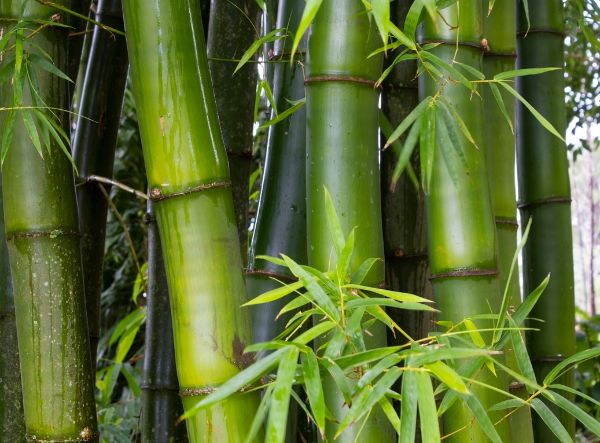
[161, 404]
[188, 176]
[94, 142]
[404, 222]
[342, 157]
[544, 194]
[43, 242]
[235, 93]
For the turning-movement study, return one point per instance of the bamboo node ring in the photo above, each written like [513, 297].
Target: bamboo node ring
[340, 78]
[465, 272]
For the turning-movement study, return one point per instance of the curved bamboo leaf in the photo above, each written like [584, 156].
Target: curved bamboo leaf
[314, 389]
[430, 429]
[280, 399]
[551, 421]
[310, 11]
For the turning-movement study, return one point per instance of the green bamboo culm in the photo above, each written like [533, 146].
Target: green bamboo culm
[235, 93]
[403, 204]
[460, 218]
[280, 226]
[342, 157]
[40, 213]
[188, 176]
[79, 33]
[545, 196]
[94, 141]
[161, 404]
[12, 424]
[499, 147]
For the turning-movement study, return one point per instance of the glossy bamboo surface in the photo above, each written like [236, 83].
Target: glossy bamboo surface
[42, 232]
[342, 147]
[94, 141]
[404, 221]
[461, 227]
[235, 93]
[544, 194]
[281, 217]
[499, 145]
[187, 172]
[161, 404]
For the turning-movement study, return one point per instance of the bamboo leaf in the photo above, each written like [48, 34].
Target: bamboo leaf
[237, 382]
[260, 415]
[539, 117]
[339, 378]
[500, 102]
[575, 392]
[522, 73]
[364, 269]
[451, 70]
[280, 399]
[408, 121]
[394, 295]
[509, 404]
[460, 122]
[521, 355]
[46, 65]
[589, 422]
[275, 294]
[256, 45]
[333, 223]
[448, 376]
[353, 304]
[408, 409]
[474, 333]
[345, 258]
[7, 133]
[407, 151]
[482, 418]
[401, 37]
[310, 11]
[381, 13]
[32, 131]
[7, 68]
[285, 114]
[470, 69]
[413, 17]
[346, 362]
[314, 389]
[580, 357]
[525, 308]
[377, 369]
[551, 421]
[314, 332]
[430, 430]
[390, 413]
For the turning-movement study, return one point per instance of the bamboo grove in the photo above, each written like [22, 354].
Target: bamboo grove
[373, 295]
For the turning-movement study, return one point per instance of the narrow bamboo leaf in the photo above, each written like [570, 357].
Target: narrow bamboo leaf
[363, 270]
[408, 409]
[461, 123]
[490, 6]
[433, 355]
[482, 418]
[274, 260]
[381, 13]
[471, 70]
[401, 37]
[575, 392]
[408, 121]
[280, 400]
[314, 332]
[526, 9]
[402, 57]
[266, 346]
[394, 295]
[539, 117]
[7, 133]
[275, 34]
[407, 151]
[275, 294]
[431, 8]
[522, 73]
[377, 369]
[285, 114]
[310, 11]
[551, 421]
[314, 389]
[580, 357]
[371, 398]
[430, 429]
[18, 50]
[339, 378]
[474, 333]
[412, 19]
[132, 383]
[336, 344]
[32, 131]
[390, 413]
[521, 356]
[260, 415]
[126, 340]
[448, 376]
[509, 404]
[269, 94]
[345, 258]
[236, 383]
[525, 308]
[362, 358]
[333, 224]
[7, 68]
[46, 65]
[390, 303]
[501, 105]
[451, 70]
[296, 303]
[430, 146]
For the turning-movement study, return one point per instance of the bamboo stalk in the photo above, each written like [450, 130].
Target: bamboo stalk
[78, 34]
[94, 142]
[235, 94]
[404, 221]
[43, 243]
[499, 144]
[342, 156]
[459, 210]
[12, 425]
[280, 226]
[544, 195]
[189, 180]
[161, 404]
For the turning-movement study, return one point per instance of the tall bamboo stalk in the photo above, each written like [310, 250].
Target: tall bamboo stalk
[161, 404]
[78, 33]
[43, 242]
[188, 176]
[342, 148]
[459, 211]
[544, 194]
[281, 217]
[238, 20]
[499, 145]
[12, 425]
[94, 142]
[404, 224]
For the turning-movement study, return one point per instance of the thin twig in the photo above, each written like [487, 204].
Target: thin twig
[108, 181]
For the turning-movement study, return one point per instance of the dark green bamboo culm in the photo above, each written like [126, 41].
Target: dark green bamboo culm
[94, 141]
[342, 148]
[161, 404]
[187, 171]
[545, 196]
[499, 145]
[404, 229]
[238, 20]
[42, 231]
[12, 425]
[280, 226]
[460, 219]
